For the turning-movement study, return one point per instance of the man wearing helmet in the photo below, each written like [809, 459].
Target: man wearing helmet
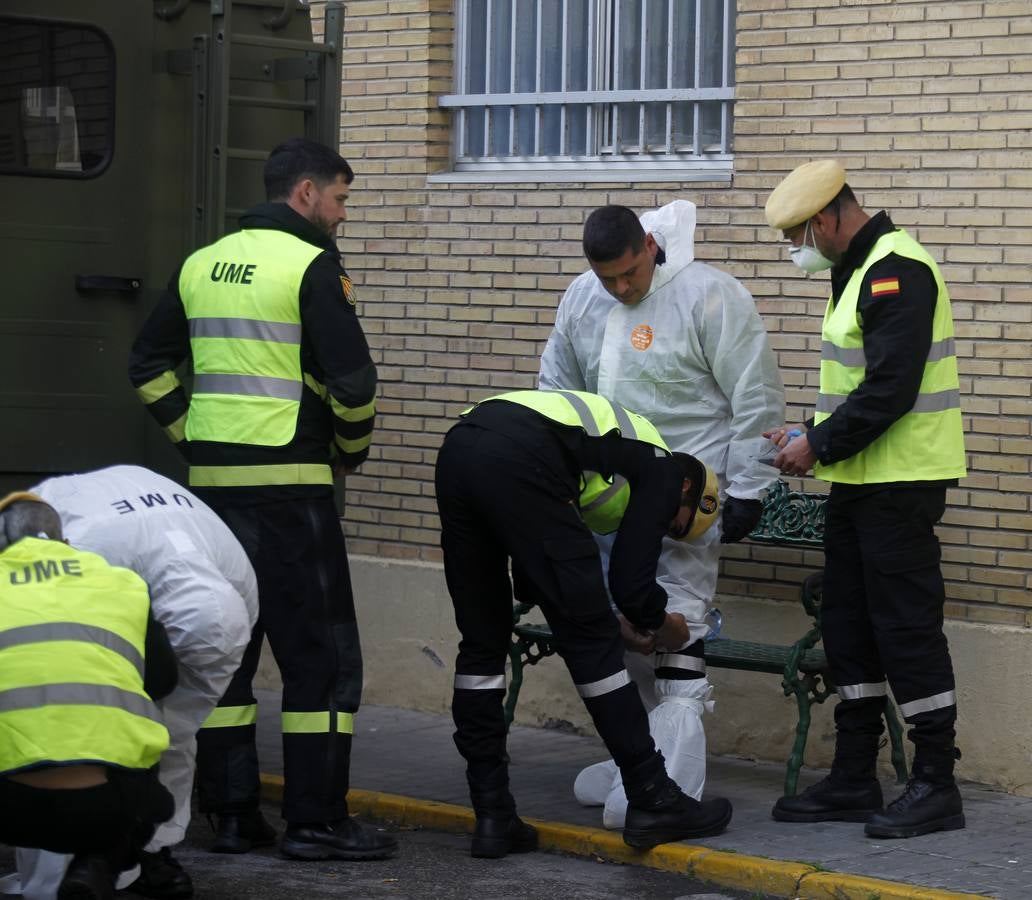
[519, 479]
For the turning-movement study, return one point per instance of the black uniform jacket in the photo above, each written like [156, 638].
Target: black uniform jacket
[565, 452]
[334, 355]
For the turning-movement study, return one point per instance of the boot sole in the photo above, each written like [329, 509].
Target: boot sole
[498, 849]
[838, 815]
[947, 823]
[642, 839]
[292, 850]
[245, 846]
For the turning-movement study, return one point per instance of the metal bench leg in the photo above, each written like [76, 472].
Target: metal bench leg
[899, 757]
[795, 758]
[515, 681]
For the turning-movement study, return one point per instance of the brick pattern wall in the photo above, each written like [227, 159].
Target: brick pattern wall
[926, 105]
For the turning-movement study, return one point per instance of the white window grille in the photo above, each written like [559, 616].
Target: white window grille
[581, 89]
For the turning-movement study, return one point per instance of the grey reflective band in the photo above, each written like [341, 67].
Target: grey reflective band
[246, 329]
[854, 357]
[76, 694]
[828, 403]
[618, 483]
[623, 420]
[480, 682]
[249, 385]
[937, 401]
[588, 421]
[583, 413]
[678, 661]
[927, 704]
[605, 686]
[861, 691]
[941, 350]
[72, 631]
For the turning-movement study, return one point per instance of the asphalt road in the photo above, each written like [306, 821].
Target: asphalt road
[432, 865]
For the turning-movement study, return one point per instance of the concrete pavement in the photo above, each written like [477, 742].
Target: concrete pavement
[405, 769]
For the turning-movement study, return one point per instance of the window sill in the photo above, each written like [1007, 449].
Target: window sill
[551, 172]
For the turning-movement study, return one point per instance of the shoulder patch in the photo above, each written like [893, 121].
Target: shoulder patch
[348, 288]
[884, 287]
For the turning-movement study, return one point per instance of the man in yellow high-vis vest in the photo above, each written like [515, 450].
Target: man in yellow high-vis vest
[516, 481]
[282, 399]
[887, 434]
[81, 662]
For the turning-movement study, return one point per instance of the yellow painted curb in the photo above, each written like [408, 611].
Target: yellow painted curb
[799, 881]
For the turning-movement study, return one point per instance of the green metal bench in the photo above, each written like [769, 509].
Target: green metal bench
[790, 519]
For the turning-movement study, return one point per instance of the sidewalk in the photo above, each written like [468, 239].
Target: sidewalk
[405, 767]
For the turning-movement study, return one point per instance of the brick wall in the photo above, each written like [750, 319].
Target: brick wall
[925, 104]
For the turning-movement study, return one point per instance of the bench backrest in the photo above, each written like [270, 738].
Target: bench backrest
[793, 518]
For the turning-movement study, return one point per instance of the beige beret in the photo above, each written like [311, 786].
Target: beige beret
[804, 192]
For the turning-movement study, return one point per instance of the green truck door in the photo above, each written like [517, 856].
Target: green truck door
[74, 84]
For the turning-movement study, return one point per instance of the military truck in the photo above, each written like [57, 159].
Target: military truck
[131, 132]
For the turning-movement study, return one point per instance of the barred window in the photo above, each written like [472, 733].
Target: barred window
[578, 89]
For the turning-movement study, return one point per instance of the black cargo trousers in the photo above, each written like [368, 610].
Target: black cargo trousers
[498, 503]
[882, 620]
[307, 612]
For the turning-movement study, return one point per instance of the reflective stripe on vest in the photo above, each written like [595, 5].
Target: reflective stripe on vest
[927, 443]
[78, 694]
[241, 297]
[72, 631]
[72, 635]
[260, 476]
[602, 502]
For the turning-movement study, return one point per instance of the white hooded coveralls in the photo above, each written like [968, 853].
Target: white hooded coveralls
[693, 357]
[203, 590]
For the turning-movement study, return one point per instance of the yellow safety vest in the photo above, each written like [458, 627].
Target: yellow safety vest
[602, 501]
[926, 444]
[241, 296]
[72, 631]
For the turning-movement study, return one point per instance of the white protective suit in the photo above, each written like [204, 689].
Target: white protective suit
[693, 357]
[203, 590]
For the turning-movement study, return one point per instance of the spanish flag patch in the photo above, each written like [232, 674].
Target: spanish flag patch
[884, 287]
[349, 290]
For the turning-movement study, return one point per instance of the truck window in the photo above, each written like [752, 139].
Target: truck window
[57, 104]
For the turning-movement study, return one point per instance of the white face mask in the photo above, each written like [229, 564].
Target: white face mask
[809, 258]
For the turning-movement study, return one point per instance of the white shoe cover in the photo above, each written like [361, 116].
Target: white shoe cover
[676, 727]
[594, 783]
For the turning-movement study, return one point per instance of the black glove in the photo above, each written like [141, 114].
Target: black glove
[740, 517]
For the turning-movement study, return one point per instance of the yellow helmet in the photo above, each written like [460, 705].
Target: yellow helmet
[704, 492]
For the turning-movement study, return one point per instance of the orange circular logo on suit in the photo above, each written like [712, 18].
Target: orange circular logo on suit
[641, 337]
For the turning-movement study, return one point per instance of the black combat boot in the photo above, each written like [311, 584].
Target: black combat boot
[834, 798]
[88, 878]
[498, 830]
[849, 793]
[241, 833]
[930, 801]
[658, 811]
[161, 876]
